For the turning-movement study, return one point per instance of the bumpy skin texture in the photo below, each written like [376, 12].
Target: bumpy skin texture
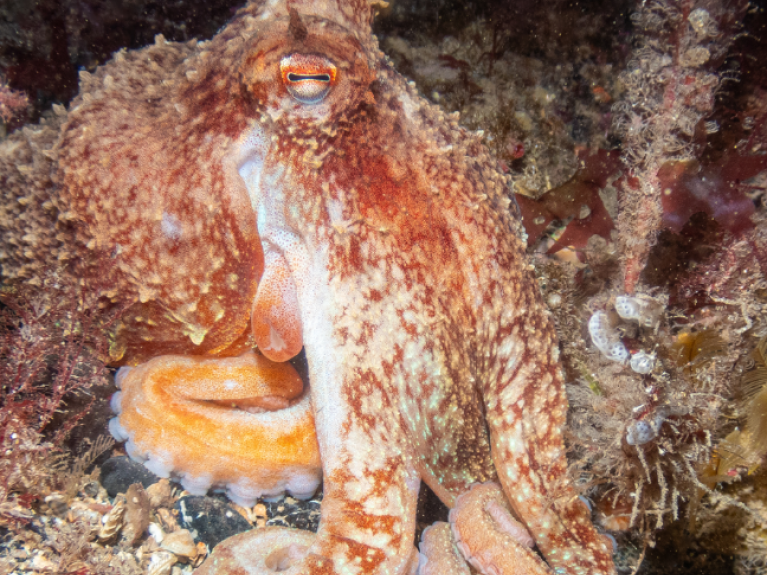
[393, 246]
[139, 163]
[36, 237]
[440, 556]
[488, 535]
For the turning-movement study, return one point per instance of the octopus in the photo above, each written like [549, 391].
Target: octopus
[280, 191]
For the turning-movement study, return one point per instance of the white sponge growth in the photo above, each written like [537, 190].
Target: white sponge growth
[642, 309]
[642, 362]
[606, 338]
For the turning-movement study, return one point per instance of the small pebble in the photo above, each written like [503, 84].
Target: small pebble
[211, 519]
[119, 473]
[290, 512]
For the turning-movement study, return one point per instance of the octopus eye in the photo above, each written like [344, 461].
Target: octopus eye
[308, 78]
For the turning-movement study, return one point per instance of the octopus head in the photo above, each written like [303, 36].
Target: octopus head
[306, 72]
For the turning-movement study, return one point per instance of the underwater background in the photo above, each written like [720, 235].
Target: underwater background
[634, 137]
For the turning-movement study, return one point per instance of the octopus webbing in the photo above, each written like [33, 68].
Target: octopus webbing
[282, 186]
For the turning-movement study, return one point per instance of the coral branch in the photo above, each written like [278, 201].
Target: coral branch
[671, 84]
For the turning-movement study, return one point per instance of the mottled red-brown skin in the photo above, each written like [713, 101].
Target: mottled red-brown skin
[431, 355]
[137, 145]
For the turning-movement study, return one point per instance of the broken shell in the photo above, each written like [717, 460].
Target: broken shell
[168, 521]
[136, 518]
[202, 552]
[181, 544]
[161, 563]
[156, 532]
[160, 494]
[81, 513]
[112, 521]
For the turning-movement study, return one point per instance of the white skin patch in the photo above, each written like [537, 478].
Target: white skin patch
[251, 153]
[276, 342]
[171, 226]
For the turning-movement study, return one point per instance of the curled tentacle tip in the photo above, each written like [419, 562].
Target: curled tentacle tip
[211, 423]
[489, 536]
[261, 551]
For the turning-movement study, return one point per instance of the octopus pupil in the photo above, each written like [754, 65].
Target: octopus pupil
[303, 77]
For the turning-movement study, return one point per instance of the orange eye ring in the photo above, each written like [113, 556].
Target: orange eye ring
[308, 78]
